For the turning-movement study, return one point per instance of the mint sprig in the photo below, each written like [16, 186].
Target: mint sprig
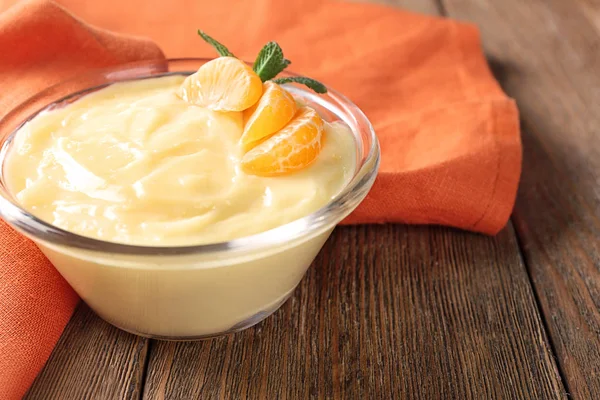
[311, 83]
[222, 50]
[268, 64]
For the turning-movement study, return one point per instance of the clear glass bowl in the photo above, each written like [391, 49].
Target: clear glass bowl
[189, 292]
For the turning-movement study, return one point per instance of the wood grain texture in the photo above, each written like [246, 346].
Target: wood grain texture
[92, 360]
[431, 7]
[546, 55]
[385, 312]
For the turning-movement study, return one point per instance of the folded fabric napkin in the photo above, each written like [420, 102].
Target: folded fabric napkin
[451, 151]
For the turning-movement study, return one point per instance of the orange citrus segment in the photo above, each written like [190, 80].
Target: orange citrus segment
[222, 84]
[292, 148]
[273, 111]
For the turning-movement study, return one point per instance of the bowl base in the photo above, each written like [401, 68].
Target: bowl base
[240, 326]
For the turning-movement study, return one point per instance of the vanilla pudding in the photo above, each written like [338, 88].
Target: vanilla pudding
[133, 163]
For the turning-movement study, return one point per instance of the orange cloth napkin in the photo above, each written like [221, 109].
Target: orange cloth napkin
[451, 152]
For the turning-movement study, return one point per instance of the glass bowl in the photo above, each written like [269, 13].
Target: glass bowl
[188, 292]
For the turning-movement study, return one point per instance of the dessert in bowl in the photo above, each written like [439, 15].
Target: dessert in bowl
[172, 219]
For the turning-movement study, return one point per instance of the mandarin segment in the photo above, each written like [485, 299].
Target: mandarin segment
[222, 84]
[273, 111]
[294, 147]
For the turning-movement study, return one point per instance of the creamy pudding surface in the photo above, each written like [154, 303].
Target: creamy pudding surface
[133, 163]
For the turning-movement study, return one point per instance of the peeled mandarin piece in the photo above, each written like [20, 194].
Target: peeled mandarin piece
[273, 111]
[294, 147]
[222, 84]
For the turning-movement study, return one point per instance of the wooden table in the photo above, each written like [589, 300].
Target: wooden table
[420, 312]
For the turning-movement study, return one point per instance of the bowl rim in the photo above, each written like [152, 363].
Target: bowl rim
[305, 227]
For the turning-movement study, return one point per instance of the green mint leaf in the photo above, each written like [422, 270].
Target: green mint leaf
[222, 50]
[311, 83]
[270, 62]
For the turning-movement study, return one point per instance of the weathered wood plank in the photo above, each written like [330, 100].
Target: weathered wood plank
[425, 7]
[92, 360]
[547, 56]
[385, 312]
